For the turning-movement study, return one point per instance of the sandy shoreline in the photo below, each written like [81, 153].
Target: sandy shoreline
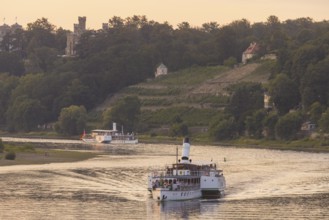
[46, 156]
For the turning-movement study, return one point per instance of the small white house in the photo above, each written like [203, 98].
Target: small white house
[161, 70]
[267, 101]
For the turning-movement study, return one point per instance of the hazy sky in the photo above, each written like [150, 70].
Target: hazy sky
[63, 13]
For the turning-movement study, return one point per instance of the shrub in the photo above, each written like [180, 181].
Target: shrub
[10, 156]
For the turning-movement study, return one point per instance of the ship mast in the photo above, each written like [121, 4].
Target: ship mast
[176, 160]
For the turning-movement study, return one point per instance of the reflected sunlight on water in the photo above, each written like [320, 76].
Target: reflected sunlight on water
[284, 184]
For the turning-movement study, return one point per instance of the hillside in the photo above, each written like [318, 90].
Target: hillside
[192, 95]
[197, 87]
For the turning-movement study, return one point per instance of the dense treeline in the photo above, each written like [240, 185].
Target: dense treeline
[36, 83]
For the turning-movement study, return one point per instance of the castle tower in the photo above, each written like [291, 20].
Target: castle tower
[73, 38]
[82, 24]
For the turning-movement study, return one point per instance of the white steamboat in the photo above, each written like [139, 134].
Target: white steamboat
[185, 180]
[109, 136]
[97, 136]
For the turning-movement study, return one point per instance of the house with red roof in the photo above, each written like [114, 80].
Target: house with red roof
[250, 52]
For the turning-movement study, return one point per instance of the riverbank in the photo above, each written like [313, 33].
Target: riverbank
[49, 152]
[26, 154]
[307, 145]
[40, 156]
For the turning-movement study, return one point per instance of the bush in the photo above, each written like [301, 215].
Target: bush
[10, 156]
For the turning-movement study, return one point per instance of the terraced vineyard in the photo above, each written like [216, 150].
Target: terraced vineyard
[194, 95]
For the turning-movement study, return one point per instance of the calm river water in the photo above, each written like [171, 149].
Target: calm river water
[262, 184]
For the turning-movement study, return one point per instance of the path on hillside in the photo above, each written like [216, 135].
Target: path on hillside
[222, 81]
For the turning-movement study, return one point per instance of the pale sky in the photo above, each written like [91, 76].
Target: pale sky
[64, 13]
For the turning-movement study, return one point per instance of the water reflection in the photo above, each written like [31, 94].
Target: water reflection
[181, 209]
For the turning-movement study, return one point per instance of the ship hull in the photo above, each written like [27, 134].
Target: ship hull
[173, 195]
[212, 194]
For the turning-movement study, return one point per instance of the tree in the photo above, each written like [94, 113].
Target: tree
[2, 146]
[226, 43]
[7, 85]
[315, 112]
[14, 41]
[254, 123]
[324, 121]
[179, 129]
[223, 130]
[61, 39]
[116, 22]
[79, 94]
[11, 63]
[275, 38]
[42, 59]
[284, 93]
[288, 126]
[303, 57]
[210, 27]
[183, 25]
[245, 99]
[222, 127]
[42, 32]
[25, 114]
[315, 83]
[72, 120]
[126, 113]
[269, 123]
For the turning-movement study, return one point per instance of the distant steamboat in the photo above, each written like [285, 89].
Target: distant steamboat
[185, 180]
[109, 136]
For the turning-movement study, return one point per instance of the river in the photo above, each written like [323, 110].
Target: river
[261, 184]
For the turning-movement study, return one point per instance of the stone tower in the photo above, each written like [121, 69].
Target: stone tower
[73, 38]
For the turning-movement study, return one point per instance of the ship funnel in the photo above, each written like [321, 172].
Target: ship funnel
[114, 126]
[186, 150]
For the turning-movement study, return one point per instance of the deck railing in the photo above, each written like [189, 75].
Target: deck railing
[167, 173]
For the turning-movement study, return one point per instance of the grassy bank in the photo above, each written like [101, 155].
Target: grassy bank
[307, 145]
[26, 154]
